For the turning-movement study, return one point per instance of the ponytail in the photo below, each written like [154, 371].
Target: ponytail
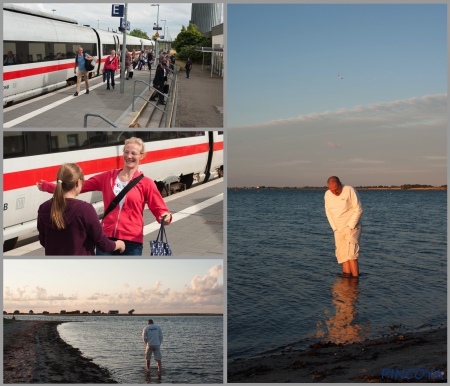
[67, 177]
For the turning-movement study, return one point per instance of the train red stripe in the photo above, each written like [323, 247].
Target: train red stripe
[38, 71]
[25, 178]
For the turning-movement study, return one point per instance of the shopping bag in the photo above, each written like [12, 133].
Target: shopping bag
[159, 247]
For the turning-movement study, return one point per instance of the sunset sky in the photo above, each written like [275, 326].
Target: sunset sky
[294, 122]
[148, 286]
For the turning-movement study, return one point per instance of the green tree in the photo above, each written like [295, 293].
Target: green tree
[189, 36]
[139, 34]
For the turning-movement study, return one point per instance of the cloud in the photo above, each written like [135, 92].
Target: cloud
[216, 271]
[436, 157]
[291, 163]
[331, 144]
[398, 113]
[365, 161]
[376, 143]
[126, 285]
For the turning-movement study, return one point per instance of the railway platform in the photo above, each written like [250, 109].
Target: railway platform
[196, 228]
[61, 109]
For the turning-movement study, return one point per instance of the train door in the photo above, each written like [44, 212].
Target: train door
[210, 155]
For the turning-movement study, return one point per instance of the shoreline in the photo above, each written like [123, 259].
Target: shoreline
[48, 360]
[356, 362]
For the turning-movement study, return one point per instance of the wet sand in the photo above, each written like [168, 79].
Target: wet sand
[357, 362]
[33, 352]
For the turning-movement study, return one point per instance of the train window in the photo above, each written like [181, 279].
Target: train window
[23, 144]
[29, 52]
[13, 145]
[106, 49]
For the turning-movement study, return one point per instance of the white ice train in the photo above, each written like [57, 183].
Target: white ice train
[187, 157]
[44, 47]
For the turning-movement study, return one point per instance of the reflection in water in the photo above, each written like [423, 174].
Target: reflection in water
[344, 326]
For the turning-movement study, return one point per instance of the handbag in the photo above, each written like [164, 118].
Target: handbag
[104, 77]
[159, 247]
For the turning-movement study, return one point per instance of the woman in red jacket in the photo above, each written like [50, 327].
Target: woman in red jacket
[110, 67]
[125, 222]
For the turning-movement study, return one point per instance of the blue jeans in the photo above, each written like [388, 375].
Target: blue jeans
[187, 72]
[131, 249]
[110, 74]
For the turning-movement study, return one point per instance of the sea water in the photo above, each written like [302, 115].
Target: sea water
[285, 286]
[192, 348]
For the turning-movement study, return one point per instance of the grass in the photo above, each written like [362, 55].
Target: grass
[9, 321]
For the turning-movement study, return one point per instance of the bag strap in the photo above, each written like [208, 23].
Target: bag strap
[162, 232]
[122, 194]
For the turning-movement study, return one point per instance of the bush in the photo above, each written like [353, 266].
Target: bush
[196, 56]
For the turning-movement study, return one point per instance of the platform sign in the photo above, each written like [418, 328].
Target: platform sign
[157, 28]
[117, 10]
[161, 37]
[122, 24]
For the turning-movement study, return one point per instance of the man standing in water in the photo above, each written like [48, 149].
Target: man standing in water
[343, 209]
[152, 337]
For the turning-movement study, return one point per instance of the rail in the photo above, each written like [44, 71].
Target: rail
[173, 77]
[98, 116]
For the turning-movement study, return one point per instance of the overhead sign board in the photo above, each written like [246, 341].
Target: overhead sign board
[117, 10]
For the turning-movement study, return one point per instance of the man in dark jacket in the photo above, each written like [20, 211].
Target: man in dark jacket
[158, 83]
[188, 67]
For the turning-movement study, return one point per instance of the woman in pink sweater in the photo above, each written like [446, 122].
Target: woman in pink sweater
[125, 222]
[110, 67]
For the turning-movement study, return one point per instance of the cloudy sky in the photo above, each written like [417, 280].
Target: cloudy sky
[140, 15]
[294, 122]
[156, 286]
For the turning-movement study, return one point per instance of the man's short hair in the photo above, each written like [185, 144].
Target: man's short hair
[334, 179]
[150, 321]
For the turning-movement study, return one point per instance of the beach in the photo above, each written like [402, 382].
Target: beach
[357, 362]
[35, 353]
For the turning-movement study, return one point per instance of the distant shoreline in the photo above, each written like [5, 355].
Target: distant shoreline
[68, 314]
[325, 188]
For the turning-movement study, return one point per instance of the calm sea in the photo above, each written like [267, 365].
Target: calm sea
[284, 283]
[192, 349]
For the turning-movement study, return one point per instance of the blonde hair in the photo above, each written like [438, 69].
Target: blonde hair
[66, 177]
[135, 140]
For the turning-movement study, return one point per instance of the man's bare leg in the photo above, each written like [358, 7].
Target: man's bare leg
[346, 267]
[148, 364]
[158, 363]
[354, 267]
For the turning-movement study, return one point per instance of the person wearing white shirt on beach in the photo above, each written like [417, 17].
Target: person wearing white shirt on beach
[343, 209]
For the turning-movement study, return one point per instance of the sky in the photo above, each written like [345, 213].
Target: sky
[148, 286]
[140, 15]
[294, 122]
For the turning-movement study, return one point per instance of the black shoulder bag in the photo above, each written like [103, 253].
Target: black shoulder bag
[122, 194]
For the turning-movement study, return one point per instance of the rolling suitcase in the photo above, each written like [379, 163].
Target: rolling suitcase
[140, 66]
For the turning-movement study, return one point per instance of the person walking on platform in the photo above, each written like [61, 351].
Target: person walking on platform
[128, 67]
[343, 209]
[152, 337]
[80, 61]
[188, 67]
[68, 226]
[125, 220]
[158, 83]
[111, 66]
